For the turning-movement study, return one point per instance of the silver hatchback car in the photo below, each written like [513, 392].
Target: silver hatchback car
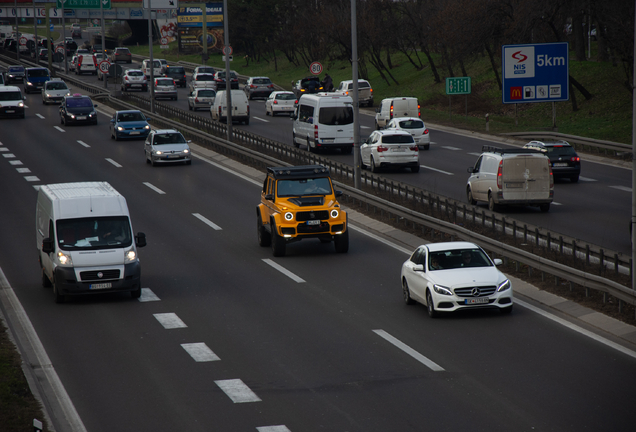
[166, 146]
[258, 87]
[201, 98]
[54, 91]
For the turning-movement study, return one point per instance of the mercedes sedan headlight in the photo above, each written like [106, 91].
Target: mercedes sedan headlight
[504, 286]
[440, 289]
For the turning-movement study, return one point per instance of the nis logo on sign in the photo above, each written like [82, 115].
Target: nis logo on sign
[520, 62]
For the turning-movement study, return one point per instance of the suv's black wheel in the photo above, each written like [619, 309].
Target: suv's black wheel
[374, 168]
[278, 243]
[407, 293]
[264, 238]
[341, 241]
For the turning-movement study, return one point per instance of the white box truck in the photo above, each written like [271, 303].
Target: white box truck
[85, 240]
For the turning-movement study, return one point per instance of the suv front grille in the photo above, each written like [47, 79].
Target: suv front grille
[312, 215]
[483, 291]
[92, 275]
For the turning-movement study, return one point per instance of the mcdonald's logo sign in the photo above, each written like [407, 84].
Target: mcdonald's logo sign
[516, 93]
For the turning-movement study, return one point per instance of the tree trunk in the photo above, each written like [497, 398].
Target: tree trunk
[494, 65]
[575, 106]
[432, 63]
[578, 36]
[447, 60]
[586, 94]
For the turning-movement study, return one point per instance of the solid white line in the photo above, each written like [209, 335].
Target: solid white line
[622, 188]
[3, 149]
[236, 390]
[587, 179]
[169, 320]
[452, 148]
[83, 143]
[283, 270]
[577, 328]
[154, 188]
[261, 119]
[229, 170]
[200, 352]
[207, 221]
[382, 240]
[280, 428]
[147, 295]
[59, 128]
[410, 351]
[113, 162]
[40, 115]
[439, 171]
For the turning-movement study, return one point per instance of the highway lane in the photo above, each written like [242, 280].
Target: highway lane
[308, 348]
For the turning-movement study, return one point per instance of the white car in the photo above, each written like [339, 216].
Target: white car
[415, 127]
[201, 98]
[167, 146]
[203, 69]
[390, 148]
[202, 80]
[446, 277]
[164, 65]
[54, 91]
[134, 79]
[156, 68]
[280, 102]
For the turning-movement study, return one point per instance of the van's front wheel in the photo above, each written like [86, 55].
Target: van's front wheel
[136, 293]
[469, 196]
[46, 282]
[59, 298]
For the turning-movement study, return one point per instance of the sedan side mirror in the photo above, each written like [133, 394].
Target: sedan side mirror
[418, 267]
[148, 118]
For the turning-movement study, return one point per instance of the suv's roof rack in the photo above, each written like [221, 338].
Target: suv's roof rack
[303, 171]
[493, 149]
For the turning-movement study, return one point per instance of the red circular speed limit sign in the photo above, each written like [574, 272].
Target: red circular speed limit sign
[60, 50]
[164, 41]
[315, 68]
[228, 50]
[104, 65]
[23, 40]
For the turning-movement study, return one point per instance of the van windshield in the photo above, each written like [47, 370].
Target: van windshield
[94, 233]
[10, 96]
[335, 116]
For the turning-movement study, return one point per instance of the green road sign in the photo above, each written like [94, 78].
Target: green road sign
[82, 4]
[458, 86]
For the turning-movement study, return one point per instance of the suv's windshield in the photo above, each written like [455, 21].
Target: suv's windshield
[94, 233]
[301, 187]
[397, 139]
[56, 86]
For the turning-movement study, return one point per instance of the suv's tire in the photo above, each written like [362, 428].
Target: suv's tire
[469, 196]
[374, 168]
[341, 241]
[264, 238]
[278, 243]
[415, 169]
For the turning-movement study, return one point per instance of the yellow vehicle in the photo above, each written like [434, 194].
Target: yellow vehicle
[297, 203]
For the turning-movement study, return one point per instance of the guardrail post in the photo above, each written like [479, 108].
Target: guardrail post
[587, 254]
[602, 261]
[549, 241]
[525, 234]
[561, 245]
[514, 231]
[536, 236]
[616, 263]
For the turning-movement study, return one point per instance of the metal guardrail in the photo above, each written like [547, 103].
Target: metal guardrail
[256, 150]
[573, 139]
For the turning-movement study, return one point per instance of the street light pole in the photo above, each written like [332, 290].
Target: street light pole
[152, 62]
[17, 33]
[228, 81]
[356, 108]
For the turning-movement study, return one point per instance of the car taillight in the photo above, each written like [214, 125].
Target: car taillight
[575, 159]
[79, 61]
[275, 102]
[391, 113]
[381, 148]
[196, 99]
[248, 110]
[500, 174]
[270, 86]
[425, 131]
[126, 78]
[252, 86]
[418, 111]
[316, 132]
[414, 148]
[95, 61]
[551, 179]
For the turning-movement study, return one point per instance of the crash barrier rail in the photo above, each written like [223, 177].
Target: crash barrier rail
[618, 148]
[453, 210]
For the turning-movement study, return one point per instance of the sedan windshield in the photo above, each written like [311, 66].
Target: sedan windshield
[57, 86]
[135, 73]
[169, 138]
[130, 116]
[458, 258]
[16, 69]
[38, 73]
[285, 96]
[412, 124]
[205, 77]
[79, 102]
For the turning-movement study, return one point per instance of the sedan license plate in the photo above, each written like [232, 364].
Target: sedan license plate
[313, 222]
[479, 300]
[134, 133]
[173, 156]
[81, 117]
[560, 164]
[135, 85]
[101, 285]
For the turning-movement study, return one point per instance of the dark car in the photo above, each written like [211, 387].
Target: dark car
[219, 77]
[14, 73]
[78, 109]
[178, 74]
[129, 124]
[76, 32]
[563, 158]
[121, 54]
[307, 85]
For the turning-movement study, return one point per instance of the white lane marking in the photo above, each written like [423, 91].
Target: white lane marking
[15, 162]
[410, 351]
[31, 178]
[59, 128]
[556, 203]
[154, 188]
[587, 179]
[113, 162]
[40, 115]
[169, 320]
[8, 155]
[229, 170]
[283, 270]
[147, 295]
[3, 149]
[200, 352]
[83, 143]
[23, 170]
[236, 390]
[207, 221]
[279, 428]
[261, 119]
[622, 188]
[435, 169]
[455, 149]
[36, 187]
[577, 328]
[475, 154]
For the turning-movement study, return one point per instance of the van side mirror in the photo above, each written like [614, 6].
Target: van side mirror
[47, 245]
[140, 239]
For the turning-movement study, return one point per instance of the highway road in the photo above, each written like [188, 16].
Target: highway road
[227, 338]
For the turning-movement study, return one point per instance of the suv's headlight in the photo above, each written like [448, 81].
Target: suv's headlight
[504, 286]
[334, 213]
[289, 216]
[439, 289]
[64, 259]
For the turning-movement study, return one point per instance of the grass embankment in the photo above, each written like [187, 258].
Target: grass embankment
[607, 115]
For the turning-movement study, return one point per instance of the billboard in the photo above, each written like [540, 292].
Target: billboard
[535, 73]
[193, 16]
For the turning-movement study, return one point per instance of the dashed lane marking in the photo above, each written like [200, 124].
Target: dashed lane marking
[169, 320]
[236, 390]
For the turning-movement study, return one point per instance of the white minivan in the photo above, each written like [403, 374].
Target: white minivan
[85, 240]
[324, 121]
[391, 108]
[240, 107]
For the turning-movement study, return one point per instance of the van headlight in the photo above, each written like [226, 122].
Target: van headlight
[334, 213]
[21, 104]
[64, 259]
[131, 255]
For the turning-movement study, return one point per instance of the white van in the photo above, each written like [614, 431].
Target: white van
[240, 107]
[391, 108]
[85, 240]
[324, 121]
[11, 102]
[156, 70]
[511, 177]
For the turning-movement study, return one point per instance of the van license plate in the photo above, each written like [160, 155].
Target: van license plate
[479, 300]
[101, 286]
[313, 222]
